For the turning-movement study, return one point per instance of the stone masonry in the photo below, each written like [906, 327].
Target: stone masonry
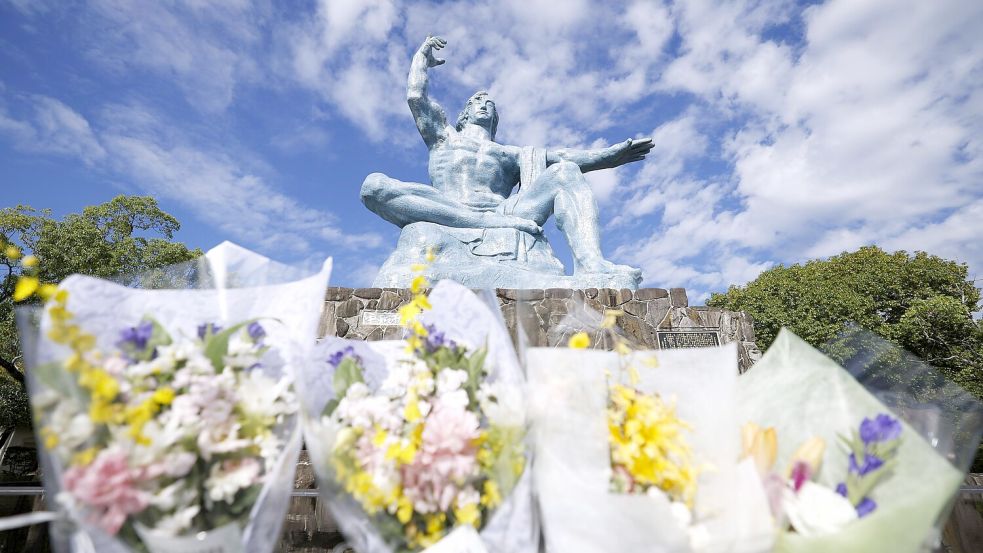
[369, 314]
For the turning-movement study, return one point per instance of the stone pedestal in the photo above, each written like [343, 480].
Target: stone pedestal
[654, 318]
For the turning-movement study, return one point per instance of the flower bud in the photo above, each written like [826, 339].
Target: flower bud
[811, 453]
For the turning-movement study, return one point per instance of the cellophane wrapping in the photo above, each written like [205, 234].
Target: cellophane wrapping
[380, 479]
[165, 404]
[802, 392]
[570, 392]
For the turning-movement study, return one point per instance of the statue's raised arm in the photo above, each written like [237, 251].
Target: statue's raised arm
[429, 116]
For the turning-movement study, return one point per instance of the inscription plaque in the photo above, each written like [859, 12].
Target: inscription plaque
[688, 339]
[379, 318]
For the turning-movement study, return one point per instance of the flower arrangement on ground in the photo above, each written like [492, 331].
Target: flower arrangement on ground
[842, 470]
[425, 438]
[171, 431]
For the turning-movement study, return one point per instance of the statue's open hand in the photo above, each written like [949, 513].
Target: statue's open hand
[427, 48]
[630, 150]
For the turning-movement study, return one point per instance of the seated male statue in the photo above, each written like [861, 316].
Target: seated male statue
[482, 233]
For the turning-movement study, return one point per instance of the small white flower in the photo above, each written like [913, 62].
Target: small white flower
[227, 478]
[680, 512]
[456, 398]
[449, 380]
[356, 391]
[177, 523]
[817, 510]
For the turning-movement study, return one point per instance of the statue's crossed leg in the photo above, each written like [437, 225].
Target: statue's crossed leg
[561, 190]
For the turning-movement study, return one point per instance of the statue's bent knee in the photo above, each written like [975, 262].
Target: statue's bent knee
[566, 170]
[374, 188]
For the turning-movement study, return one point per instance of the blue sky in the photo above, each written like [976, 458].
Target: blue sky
[783, 132]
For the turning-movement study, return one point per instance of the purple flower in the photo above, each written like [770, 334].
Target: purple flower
[337, 357]
[208, 328]
[841, 489]
[865, 507]
[871, 463]
[256, 332]
[882, 428]
[436, 340]
[137, 336]
[801, 473]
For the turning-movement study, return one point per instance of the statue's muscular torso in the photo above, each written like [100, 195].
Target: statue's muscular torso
[476, 173]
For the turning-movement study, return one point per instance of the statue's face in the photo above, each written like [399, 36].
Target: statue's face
[483, 111]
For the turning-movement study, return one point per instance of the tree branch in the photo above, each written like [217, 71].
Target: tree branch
[12, 370]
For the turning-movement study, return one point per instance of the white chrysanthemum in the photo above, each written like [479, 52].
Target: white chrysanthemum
[264, 397]
[817, 510]
[177, 523]
[449, 380]
[72, 423]
[242, 352]
[227, 478]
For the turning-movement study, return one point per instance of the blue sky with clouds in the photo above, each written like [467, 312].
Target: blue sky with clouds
[783, 132]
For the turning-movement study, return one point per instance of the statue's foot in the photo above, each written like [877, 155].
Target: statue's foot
[605, 267]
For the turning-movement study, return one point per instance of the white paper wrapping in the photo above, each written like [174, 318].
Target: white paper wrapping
[463, 317]
[234, 292]
[568, 401]
[803, 393]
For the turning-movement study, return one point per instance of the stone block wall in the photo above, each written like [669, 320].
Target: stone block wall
[654, 318]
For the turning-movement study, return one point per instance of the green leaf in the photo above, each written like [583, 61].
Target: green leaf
[330, 407]
[347, 373]
[217, 345]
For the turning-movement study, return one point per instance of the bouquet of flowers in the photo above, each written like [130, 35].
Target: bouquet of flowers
[638, 451]
[419, 444]
[169, 421]
[868, 457]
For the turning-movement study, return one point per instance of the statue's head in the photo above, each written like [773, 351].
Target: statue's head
[481, 111]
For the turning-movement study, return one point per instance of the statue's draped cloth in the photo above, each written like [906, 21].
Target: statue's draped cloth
[507, 243]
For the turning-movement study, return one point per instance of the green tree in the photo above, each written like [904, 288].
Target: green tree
[125, 236]
[922, 302]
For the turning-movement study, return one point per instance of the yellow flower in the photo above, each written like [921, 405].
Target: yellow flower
[491, 496]
[85, 456]
[164, 396]
[412, 411]
[50, 437]
[761, 444]
[47, 291]
[404, 509]
[431, 256]
[29, 261]
[611, 317]
[469, 514]
[12, 252]
[25, 287]
[811, 453]
[579, 340]
[418, 284]
[380, 437]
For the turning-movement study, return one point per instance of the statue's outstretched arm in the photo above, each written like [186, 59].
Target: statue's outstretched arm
[429, 116]
[603, 158]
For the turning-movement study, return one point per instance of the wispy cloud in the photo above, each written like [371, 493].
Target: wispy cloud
[143, 148]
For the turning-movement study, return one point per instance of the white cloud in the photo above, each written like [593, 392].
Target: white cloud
[54, 128]
[206, 48]
[136, 144]
[865, 134]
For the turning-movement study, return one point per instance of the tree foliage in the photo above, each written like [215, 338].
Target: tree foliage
[126, 235]
[921, 302]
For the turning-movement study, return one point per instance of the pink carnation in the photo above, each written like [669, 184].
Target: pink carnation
[107, 486]
[446, 460]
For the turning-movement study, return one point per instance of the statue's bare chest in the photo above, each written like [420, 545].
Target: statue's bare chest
[471, 162]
